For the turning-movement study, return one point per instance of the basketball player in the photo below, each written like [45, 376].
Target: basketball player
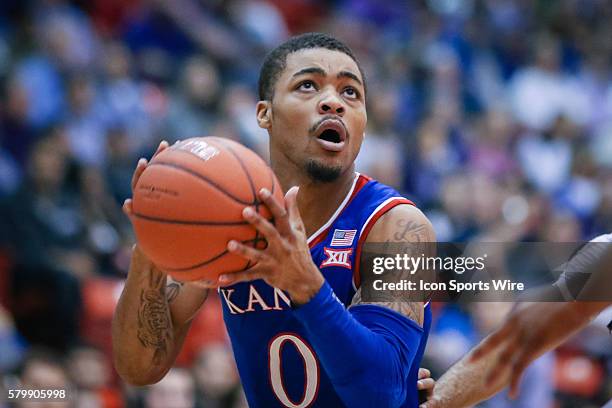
[302, 333]
[531, 329]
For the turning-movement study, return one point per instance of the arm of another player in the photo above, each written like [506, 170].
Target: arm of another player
[531, 329]
[153, 315]
[367, 351]
[500, 359]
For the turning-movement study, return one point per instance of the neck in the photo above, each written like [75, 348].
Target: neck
[317, 201]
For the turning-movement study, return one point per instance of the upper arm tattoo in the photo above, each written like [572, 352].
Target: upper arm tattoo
[407, 236]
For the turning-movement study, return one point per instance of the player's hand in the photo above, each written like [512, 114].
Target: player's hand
[434, 401]
[521, 339]
[286, 263]
[426, 383]
[140, 168]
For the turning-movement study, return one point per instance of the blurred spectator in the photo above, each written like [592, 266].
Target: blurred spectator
[16, 133]
[546, 159]
[11, 345]
[90, 372]
[192, 108]
[42, 221]
[43, 370]
[66, 34]
[175, 390]
[216, 377]
[542, 92]
[85, 125]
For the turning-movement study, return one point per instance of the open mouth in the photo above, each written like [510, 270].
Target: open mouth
[330, 135]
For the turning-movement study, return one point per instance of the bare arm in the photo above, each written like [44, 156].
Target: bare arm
[465, 383]
[151, 321]
[153, 314]
[402, 230]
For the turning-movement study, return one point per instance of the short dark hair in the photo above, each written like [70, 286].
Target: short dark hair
[276, 60]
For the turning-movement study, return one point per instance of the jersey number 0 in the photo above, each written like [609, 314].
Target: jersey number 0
[311, 370]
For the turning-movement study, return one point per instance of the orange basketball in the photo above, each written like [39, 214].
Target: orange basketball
[188, 204]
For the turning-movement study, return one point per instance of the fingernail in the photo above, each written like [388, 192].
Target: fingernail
[223, 278]
[231, 245]
[419, 385]
[248, 212]
[265, 193]
[142, 161]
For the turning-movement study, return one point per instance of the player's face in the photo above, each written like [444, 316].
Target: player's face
[318, 114]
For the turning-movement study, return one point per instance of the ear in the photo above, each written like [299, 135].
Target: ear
[264, 114]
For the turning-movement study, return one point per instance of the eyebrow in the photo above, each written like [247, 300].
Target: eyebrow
[310, 70]
[320, 71]
[349, 74]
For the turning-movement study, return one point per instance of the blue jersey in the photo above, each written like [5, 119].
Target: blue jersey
[277, 365]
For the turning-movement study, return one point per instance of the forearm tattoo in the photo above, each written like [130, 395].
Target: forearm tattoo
[154, 321]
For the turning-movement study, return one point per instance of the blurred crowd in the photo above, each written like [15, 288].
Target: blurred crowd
[494, 116]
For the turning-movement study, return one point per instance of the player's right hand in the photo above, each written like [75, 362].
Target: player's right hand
[140, 168]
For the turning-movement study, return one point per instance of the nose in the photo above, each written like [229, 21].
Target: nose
[331, 104]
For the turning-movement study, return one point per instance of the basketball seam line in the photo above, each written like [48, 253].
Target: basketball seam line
[186, 222]
[245, 170]
[214, 258]
[252, 185]
[202, 178]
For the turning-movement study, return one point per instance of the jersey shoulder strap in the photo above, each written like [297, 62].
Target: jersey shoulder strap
[372, 201]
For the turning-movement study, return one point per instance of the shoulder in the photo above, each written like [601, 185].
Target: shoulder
[402, 223]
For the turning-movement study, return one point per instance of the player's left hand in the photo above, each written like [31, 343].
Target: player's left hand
[426, 383]
[517, 343]
[286, 263]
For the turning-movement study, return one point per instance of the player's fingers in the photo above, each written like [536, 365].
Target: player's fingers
[426, 384]
[424, 373]
[295, 219]
[280, 214]
[514, 384]
[163, 145]
[242, 276]
[203, 284]
[261, 224]
[140, 167]
[128, 207]
[431, 403]
[519, 366]
[245, 251]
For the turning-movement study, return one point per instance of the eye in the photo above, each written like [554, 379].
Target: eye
[306, 86]
[351, 92]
